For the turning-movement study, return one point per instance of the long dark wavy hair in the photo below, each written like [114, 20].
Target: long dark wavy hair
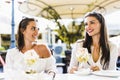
[105, 58]
[21, 28]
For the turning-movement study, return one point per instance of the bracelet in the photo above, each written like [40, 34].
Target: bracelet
[54, 74]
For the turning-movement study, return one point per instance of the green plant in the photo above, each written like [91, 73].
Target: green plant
[2, 48]
[68, 37]
[64, 32]
[5, 38]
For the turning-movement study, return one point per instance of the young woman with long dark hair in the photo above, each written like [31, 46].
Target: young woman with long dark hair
[102, 53]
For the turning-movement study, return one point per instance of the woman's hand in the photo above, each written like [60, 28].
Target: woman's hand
[95, 68]
[73, 69]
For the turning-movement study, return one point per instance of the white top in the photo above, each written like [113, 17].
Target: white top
[113, 57]
[16, 60]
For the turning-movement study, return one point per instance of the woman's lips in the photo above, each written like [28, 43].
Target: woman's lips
[89, 31]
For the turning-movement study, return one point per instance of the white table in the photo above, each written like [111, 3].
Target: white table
[70, 77]
[2, 76]
[82, 77]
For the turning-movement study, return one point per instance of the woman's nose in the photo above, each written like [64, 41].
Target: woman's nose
[36, 31]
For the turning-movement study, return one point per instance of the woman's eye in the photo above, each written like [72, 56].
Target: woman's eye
[92, 22]
[34, 28]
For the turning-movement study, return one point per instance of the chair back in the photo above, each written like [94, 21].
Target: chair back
[58, 50]
[50, 46]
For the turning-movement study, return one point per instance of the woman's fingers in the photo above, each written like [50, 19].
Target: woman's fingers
[73, 69]
[95, 68]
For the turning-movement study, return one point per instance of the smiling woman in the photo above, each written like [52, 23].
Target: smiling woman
[29, 56]
[103, 53]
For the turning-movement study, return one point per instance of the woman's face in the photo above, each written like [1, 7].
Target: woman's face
[31, 32]
[92, 26]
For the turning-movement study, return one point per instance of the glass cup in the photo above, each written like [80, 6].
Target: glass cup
[29, 63]
[82, 55]
[30, 60]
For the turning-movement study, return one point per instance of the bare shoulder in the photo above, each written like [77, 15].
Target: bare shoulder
[42, 50]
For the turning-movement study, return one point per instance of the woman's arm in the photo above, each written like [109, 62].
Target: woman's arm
[9, 59]
[74, 62]
[45, 52]
[113, 56]
[51, 67]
